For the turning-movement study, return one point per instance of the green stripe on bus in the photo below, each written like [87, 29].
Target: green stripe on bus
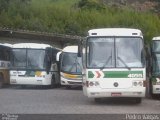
[90, 74]
[123, 74]
[117, 74]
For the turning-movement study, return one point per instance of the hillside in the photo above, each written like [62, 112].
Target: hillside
[138, 5]
[76, 17]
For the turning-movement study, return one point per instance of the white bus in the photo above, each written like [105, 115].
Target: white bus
[34, 64]
[155, 70]
[70, 67]
[4, 64]
[114, 64]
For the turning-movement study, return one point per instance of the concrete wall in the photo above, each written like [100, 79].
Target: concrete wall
[56, 40]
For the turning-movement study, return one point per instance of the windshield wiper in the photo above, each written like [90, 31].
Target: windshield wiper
[75, 63]
[106, 61]
[124, 63]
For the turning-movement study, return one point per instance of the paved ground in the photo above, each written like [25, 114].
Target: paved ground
[33, 100]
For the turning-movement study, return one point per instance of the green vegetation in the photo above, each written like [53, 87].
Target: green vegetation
[74, 17]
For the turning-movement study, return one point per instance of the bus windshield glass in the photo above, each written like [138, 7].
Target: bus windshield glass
[119, 52]
[156, 64]
[71, 63]
[156, 46]
[36, 59]
[28, 58]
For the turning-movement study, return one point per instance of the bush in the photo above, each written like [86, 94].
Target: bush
[60, 17]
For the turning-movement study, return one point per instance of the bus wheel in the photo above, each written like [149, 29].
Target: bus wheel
[23, 86]
[68, 87]
[1, 80]
[98, 100]
[138, 100]
[155, 96]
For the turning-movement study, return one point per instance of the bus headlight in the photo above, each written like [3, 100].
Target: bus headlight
[140, 83]
[96, 83]
[137, 83]
[93, 84]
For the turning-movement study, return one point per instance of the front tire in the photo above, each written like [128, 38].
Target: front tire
[98, 100]
[68, 87]
[23, 86]
[138, 100]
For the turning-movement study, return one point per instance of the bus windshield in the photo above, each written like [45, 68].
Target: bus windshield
[156, 64]
[111, 52]
[28, 58]
[156, 57]
[156, 46]
[70, 63]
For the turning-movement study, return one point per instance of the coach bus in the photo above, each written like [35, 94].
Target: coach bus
[114, 64]
[155, 69]
[70, 67]
[4, 63]
[34, 64]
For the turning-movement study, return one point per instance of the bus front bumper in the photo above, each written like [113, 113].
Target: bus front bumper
[101, 93]
[29, 81]
[74, 82]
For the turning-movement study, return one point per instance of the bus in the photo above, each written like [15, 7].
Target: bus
[114, 64]
[34, 64]
[4, 63]
[155, 67]
[70, 67]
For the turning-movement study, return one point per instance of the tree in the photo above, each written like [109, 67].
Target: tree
[4, 4]
[91, 4]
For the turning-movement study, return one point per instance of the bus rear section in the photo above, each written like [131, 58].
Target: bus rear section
[114, 64]
[70, 67]
[4, 64]
[155, 63]
[34, 64]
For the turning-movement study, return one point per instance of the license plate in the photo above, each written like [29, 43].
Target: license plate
[115, 94]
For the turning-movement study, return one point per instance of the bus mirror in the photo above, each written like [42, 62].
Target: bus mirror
[48, 63]
[48, 67]
[80, 49]
[58, 56]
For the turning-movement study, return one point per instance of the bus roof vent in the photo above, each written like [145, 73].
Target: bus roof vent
[94, 33]
[134, 33]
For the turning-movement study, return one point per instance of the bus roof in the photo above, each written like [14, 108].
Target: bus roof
[31, 45]
[156, 38]
[115, 32]
[6, 44]
[72, 49]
